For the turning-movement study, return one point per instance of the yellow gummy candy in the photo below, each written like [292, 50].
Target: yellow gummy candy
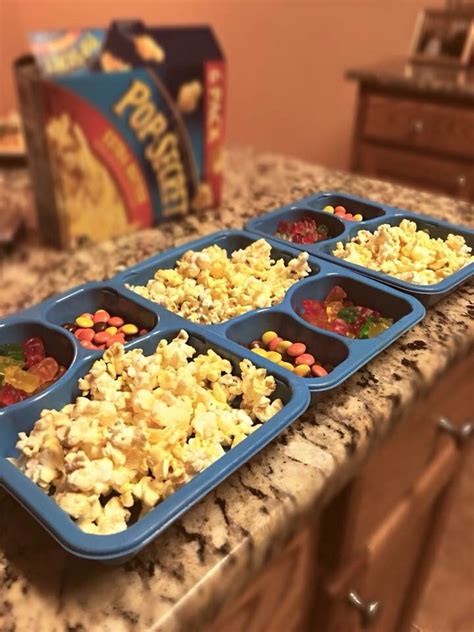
[22, 380]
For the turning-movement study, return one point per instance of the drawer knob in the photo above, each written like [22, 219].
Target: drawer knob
[459, 433]
[461, 180]
[367, 610]
[418, 126]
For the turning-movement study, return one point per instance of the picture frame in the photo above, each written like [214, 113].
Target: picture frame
[443, 37]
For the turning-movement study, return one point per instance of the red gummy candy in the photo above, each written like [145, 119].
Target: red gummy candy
[336, 294]
[33, 349]
[11, 395]
[46, 370]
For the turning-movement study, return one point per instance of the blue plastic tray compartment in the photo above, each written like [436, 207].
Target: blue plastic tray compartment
[336, 226]
[100, 296]
[264, 226]
[230, 241]
[59, 344]
[291, 389]
[368, 210]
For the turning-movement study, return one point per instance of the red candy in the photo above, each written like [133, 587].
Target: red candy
[85, 334]
[116, 338]
[305, 358]
[33, 348]
[102, 337]
[101, 316]
[46, 370]
[318, 371]
[87, 344]
[10, 395]
[273, 344]
[116, 321]
[296, 349]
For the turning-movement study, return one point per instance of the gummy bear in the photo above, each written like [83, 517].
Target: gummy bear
[333, 308]
[34, 351]
[379, 326]
[8, 361]
[22, 380]
[336, 294]
[12, 350]
[46, 369]
[10, 395]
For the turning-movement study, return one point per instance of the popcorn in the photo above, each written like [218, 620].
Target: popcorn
[142, 427]
[208, 287]
[407, 253]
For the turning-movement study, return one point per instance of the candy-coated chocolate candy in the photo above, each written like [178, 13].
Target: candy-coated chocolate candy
[85, 334]
[287, 365]
[255, 344]
[46, 370]
[349, 216]
[22, 380]
[305, 358]
[116, 321]
[111, 330]
[283, 346]
[340, 209]
[358, 217]
[274, 356]
[296, 349]
[101, 346]
[101, 338]
[129, 329]
[33, 349]
[120, 338]
[318, 371]
[10, 395]
[329, 209]
[88, 345]
[273, 344]
[84, 321]
[259, 351]
[100, 327]
[302, 370]
[142, 332]
[70, 327]
[101, 316]
[268, 336]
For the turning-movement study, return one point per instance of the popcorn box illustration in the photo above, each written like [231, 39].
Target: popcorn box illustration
[124, 127]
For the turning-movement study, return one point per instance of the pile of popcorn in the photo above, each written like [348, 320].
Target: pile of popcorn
[143, 426]
[208, 287]
[407, 253]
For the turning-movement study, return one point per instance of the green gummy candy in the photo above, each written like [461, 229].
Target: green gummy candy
[349, 314]
[12, 350]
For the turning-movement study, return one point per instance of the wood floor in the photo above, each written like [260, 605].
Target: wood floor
[448, 602]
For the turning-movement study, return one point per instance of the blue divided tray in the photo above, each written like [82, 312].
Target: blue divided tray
[374, 215]
[229, 339]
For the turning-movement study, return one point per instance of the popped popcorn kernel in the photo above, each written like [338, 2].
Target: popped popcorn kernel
[209, 287]
[142, 427]
[407, 253]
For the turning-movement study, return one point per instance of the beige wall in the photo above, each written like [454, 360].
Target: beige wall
[287, 58]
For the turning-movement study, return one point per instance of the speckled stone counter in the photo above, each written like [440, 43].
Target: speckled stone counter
[435, 80]
[185, 576]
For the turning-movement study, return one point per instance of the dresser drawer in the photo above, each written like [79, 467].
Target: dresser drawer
[454, 177]
[447, 129]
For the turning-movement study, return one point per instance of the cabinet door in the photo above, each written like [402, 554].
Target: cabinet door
[279, 599]
[374, 595]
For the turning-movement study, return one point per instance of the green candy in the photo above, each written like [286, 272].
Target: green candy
[364, 330]
[348, 314]
[12, 350]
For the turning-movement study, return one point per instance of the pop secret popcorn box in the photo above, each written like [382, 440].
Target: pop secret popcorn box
[124, 127]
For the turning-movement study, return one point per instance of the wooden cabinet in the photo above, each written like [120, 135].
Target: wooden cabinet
[426, 142]
[367, 567]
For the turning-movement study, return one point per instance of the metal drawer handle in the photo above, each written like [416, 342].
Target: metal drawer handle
[461, 180]
[460, 433]
[418, 126]
[367, 610]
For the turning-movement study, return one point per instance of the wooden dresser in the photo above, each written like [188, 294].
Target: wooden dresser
[415, 125]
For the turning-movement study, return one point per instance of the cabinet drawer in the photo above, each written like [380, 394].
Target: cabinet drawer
[415, 124]
[454, 177]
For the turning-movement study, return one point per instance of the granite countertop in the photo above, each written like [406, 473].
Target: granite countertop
[182, 579]
[436, 80]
